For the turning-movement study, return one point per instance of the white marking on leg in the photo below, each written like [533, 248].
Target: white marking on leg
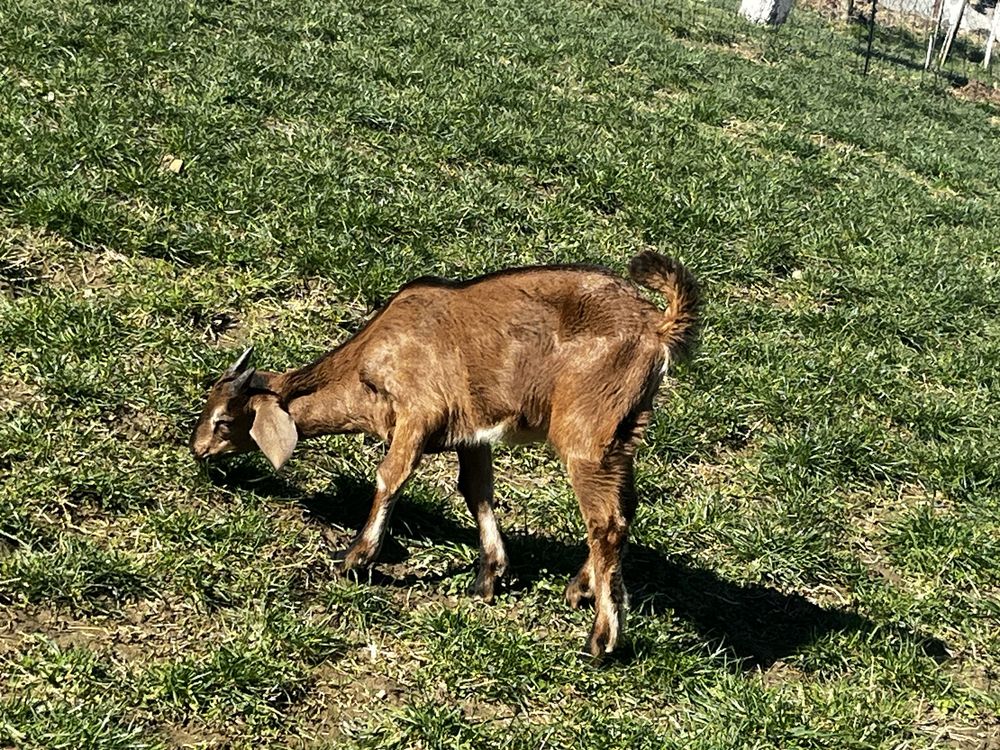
[379, 482]
[491, 539]
[666, 360]
[489, 434]
[610, 612]
[373, 532]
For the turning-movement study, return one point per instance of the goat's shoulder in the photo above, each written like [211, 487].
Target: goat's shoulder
[420, 291]
[423, 285]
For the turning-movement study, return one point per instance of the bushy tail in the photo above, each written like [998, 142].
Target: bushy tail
[679, 328]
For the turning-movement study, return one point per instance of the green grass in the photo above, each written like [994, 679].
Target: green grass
[816, 561]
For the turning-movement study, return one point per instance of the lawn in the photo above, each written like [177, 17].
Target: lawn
[816, 557]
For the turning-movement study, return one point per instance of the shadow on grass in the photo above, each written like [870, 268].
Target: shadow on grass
[754, 625]
[956, 80]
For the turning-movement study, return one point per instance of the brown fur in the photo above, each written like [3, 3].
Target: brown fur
[568, 354]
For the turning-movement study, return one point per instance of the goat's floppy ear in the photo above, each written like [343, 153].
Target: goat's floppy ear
[274, 431]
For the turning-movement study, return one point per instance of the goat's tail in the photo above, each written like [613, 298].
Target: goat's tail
[668, 277]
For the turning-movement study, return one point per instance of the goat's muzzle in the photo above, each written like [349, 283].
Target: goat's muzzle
[200, 453]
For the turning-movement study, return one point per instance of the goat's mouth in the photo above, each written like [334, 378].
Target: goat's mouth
[206, 455]
[202, 454]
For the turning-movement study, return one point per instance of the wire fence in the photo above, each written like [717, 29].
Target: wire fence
[946, 37]
[943, 42]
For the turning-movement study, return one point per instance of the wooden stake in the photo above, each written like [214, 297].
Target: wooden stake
[938, 14]
[954, 21]
[994, 28]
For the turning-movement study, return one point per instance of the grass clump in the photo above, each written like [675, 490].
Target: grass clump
[814, 560]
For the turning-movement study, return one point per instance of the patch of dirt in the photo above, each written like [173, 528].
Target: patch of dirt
[872, 515]
[967, 669]
[829, 9]
[978, 91]
[368, 679]
[981, 733]
[749, 135]
[498, 714]
[743, 50]
[192, 735]
[16, 394]
[313, 302]
[890, 575]
[781, 673]
[137, 425]
[86, 273]
[290, 129]
[142, 631]
[30, 257]
[745, 128]
[662, 100]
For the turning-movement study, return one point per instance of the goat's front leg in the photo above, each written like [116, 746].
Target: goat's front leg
[401, 459]
[475, 482]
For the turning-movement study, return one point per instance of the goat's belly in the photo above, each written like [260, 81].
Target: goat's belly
[523, 437]
[503, 432]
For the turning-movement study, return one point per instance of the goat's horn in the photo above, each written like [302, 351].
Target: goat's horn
[240, 383]
[240, 364]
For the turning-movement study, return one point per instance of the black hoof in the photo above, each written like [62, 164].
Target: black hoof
[489, 581]
[354, 557]
[597, 646]
[485, 587]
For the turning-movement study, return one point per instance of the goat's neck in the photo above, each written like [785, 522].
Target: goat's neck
[327, 397]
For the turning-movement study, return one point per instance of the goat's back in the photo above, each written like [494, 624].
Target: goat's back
[502, 354]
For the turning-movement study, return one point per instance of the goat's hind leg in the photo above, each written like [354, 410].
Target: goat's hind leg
[580, 589]
[605, 492]
[475, 482]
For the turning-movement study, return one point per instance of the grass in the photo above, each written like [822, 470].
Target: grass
[815, 563]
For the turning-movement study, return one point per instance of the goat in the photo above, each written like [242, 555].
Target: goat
[571, 354]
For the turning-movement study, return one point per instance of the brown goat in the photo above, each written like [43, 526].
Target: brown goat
[568, 354]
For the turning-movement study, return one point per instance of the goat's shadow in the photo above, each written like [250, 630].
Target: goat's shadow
[752, 624]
